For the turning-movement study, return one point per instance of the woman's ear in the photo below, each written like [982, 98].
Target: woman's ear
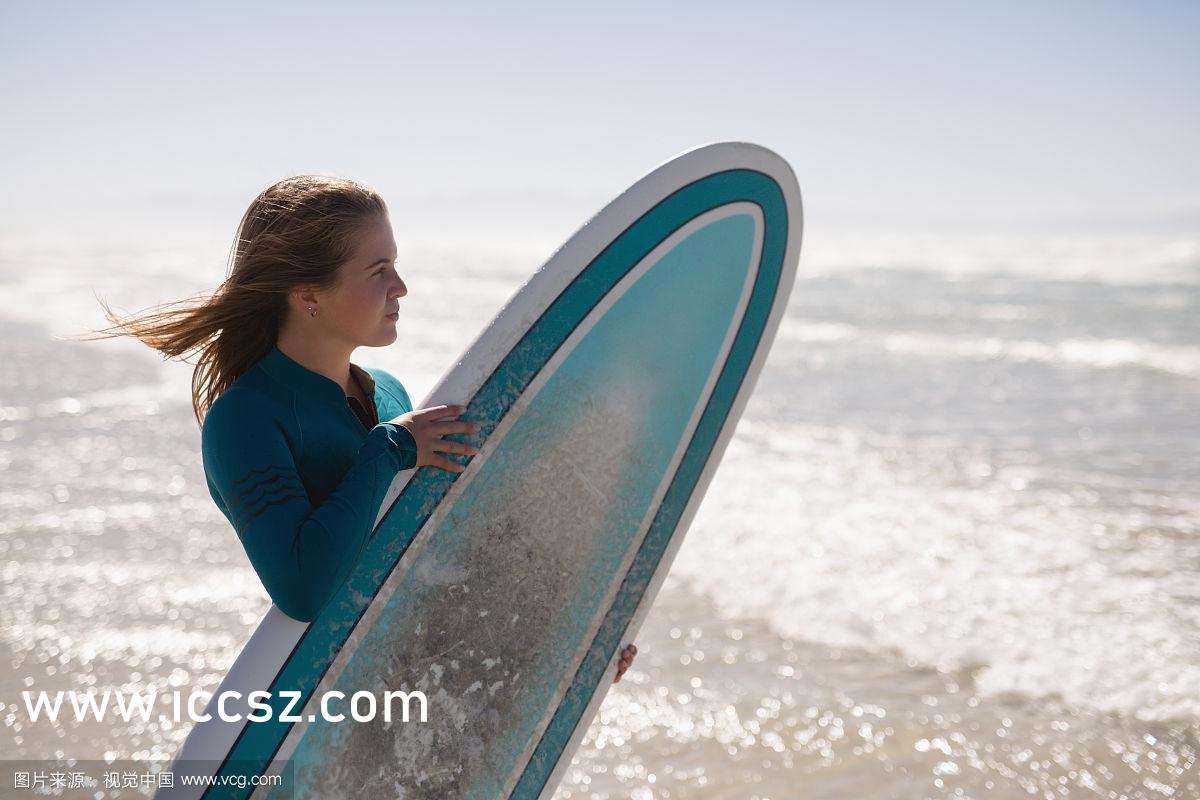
[301, 297]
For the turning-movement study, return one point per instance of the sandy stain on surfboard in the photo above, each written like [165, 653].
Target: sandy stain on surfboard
[480, 613]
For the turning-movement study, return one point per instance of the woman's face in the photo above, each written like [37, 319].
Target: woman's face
[363, 307]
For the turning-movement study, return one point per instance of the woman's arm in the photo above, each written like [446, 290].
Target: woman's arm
[303, 553]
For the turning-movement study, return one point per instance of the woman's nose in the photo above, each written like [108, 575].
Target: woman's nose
[401, 289]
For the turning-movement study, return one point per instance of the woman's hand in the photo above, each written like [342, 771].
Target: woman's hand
[626, 659]
[429, 425]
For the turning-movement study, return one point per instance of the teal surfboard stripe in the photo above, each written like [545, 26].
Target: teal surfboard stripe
[317, 648]
[763, 191]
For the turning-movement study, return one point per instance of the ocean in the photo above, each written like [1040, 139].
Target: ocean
[953, 549]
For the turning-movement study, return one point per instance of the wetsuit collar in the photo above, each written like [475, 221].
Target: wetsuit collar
[299, 377]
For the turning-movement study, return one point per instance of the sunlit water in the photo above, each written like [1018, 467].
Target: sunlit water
[953, 549]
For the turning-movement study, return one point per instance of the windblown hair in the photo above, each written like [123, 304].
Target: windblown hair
[295, 233]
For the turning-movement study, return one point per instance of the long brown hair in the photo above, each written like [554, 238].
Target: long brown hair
[295, 233]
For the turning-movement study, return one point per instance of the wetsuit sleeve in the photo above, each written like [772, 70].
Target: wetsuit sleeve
[303, 553]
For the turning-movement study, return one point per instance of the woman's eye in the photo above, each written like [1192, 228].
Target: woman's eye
[381, 270]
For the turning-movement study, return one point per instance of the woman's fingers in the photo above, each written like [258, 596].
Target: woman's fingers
[446, 464]
[444, 446]
[446, 428]
[623, 664]
[438, 421]
[440, 412]
[628, 652]
[443, 424]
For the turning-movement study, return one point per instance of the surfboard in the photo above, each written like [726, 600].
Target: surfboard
[608, 387]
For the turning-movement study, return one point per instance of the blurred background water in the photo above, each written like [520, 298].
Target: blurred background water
[952, 550]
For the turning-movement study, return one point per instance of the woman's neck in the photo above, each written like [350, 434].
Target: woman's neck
[328, 358]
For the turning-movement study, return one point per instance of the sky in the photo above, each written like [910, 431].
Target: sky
[516, 122]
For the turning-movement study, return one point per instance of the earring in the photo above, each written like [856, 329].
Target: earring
[312, 311]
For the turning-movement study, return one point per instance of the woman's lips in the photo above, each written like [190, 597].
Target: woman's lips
[394, 315]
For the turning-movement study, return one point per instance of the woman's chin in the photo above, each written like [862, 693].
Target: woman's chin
[387, 336]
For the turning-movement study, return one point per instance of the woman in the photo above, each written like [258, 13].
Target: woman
[299, 444]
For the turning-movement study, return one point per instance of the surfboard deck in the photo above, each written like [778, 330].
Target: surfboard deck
[608, 387]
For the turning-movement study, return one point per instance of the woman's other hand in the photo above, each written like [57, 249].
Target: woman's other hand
[429, 425]
[626, 659]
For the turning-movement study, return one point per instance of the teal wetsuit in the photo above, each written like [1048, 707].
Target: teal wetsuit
[300, 476]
